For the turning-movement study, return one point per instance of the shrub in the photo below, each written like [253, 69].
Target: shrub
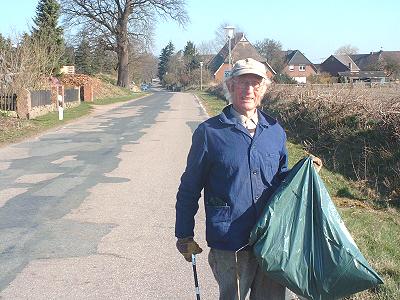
[356, 130]
[284, 78]
[323, 78]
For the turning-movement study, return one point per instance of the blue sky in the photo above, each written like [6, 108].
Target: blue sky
[317, 28]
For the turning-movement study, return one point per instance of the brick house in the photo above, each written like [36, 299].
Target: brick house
[297, 66]
[241, 48]
[364, 67]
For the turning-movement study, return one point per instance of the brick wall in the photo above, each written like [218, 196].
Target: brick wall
[296, 73]
[88, 92]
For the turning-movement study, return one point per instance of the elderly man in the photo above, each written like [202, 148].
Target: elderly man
[239, 158]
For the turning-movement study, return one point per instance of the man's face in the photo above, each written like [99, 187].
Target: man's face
[247, 91]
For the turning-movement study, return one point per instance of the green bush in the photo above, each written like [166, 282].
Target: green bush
[284, 79]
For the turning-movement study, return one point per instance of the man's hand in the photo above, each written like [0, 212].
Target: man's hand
[187, 247]
[317, 163]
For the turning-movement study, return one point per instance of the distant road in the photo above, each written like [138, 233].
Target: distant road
[87, 210]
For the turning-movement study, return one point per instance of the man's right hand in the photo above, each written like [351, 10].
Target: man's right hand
[187, 247]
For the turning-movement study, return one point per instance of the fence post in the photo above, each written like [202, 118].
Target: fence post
[23, 104]
[79, 93]
[60, 104]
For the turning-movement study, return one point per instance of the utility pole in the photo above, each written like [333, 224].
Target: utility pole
[201, 76]
[230, 32]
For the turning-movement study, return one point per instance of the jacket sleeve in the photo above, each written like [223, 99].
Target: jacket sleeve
[192, 182]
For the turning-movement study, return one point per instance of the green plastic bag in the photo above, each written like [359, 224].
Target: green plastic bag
[301, 242]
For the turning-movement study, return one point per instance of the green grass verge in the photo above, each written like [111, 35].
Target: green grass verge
[22, 129]
[27, 128]
[375, 231]
[105, 101]
[212, 104]
[51, 119]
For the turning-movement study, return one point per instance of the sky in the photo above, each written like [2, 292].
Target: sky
[316, 28]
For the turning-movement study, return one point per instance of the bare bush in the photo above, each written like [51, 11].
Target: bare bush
[355, 128]
[26, 62]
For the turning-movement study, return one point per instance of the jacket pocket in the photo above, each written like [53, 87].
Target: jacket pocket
[270, 165]
[218, 220]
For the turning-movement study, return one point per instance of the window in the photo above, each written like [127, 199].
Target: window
[291, 68]
[302, 68]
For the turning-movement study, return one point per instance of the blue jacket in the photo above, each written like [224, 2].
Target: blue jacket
[238, 174]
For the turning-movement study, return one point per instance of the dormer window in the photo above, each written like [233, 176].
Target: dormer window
[291, 68]
[302, 68]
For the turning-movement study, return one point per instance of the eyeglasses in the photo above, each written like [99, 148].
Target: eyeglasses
[256, 84]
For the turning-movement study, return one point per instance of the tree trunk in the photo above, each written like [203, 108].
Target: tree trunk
[123, 65]
[123, 45]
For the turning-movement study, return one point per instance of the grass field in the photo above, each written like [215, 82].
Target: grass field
[375, 231]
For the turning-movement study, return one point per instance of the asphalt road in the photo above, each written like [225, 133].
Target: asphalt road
[87, 210]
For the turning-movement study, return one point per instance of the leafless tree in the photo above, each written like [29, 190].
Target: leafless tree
[272, 51]
[117, 23]
[25, 63]
[346, 49]
[220, 36]
[207, 48]
[144, 67]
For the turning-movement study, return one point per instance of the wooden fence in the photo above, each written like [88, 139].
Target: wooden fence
[71, 95]
[40, 98]
[8, 102]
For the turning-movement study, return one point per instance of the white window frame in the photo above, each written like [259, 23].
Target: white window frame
[291, 67]
[302, 68]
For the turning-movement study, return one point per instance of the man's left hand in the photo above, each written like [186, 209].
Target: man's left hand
[317, 163]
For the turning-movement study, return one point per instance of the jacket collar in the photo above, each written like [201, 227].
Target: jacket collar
[226, 117]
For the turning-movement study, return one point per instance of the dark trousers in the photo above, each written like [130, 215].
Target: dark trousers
[252, 280]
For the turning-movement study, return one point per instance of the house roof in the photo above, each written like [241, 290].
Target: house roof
[395, 55]
[363, 74]
[241, 48]
[296, 57]
[347, 61]
[365, 61]
[206, 58]
[318, 67]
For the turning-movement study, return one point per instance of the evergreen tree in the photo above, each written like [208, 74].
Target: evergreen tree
[165, 57]
[3, 42]
[162, 65]
[47, 31]
[84, 58]
[191, 57]
[69, 55]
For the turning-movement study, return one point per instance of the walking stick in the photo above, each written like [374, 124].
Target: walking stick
[196, 282]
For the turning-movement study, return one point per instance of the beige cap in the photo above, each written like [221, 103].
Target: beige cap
[249, 66]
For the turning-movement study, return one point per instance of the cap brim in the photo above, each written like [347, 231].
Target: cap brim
[249, 71]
